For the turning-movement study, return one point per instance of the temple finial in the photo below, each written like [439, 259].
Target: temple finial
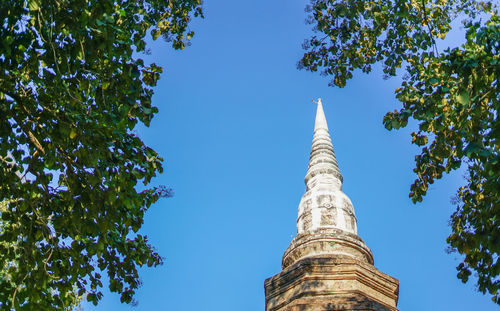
[322, 161]
[320, 118]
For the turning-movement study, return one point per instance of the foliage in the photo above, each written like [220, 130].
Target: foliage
[454, 96]
[72, 89]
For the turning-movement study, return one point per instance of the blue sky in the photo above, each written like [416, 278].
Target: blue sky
[235, 129]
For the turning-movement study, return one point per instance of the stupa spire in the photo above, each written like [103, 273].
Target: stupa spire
[323, 166]
[324, 206]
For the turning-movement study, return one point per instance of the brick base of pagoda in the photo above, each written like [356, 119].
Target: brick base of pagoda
[331, 283]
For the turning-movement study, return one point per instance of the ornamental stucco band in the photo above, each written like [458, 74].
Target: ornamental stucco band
[327, 266]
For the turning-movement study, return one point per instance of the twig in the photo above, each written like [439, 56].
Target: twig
[427, 21]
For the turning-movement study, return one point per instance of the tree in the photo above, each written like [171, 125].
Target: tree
[452, 94]
[72, 89]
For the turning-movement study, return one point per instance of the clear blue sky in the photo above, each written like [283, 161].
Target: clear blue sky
[235, 129]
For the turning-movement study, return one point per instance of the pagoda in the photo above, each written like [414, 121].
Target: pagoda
[327, 266]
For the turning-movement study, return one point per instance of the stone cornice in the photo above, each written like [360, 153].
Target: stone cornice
[326, 242]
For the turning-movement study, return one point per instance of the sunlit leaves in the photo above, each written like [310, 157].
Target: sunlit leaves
[455, 99]
[72, 90]
[355, 34]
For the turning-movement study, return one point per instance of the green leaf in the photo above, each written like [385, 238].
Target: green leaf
[34, 5]
[72, 134]
[463, 98]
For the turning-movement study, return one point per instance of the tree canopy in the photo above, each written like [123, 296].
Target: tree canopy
[452, 94]
[72, 89]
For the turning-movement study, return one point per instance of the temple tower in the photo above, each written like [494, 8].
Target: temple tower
[327, 265]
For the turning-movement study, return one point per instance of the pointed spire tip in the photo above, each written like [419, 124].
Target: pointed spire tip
[318, 101]
[320, 117]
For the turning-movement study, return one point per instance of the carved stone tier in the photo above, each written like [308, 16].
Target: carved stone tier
[327, 242]
[331, 283]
